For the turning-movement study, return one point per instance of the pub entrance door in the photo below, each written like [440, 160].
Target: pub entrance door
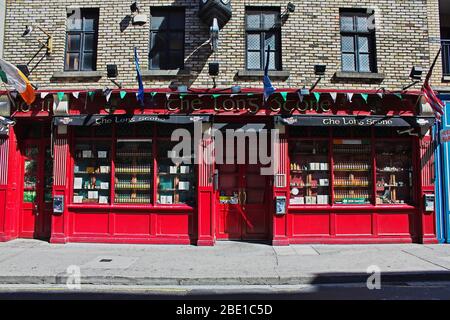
[243, 197]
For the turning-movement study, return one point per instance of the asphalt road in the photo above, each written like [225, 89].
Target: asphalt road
[401, 291]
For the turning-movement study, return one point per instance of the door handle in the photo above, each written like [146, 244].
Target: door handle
[36, 209]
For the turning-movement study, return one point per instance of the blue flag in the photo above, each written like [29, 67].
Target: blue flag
[269, 89]
[140, 94]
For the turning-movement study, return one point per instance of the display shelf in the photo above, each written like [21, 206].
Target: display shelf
[352, 181]
[394, 176]
[176, 177]
[309, 173]
[92, 173]
[133, 171]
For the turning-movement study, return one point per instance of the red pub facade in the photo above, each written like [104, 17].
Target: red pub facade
[350, 167]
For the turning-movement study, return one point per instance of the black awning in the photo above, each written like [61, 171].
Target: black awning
[357, 121]
[98, 120]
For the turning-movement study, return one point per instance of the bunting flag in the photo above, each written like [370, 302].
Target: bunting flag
[350, 96]
[107, 93]
[300, 96]
[380, 94]
[60, 96]
[317, 96]
[398, 95]
[44, 94]
[140, 94]
[153, 94]
[91, 95]
[429, 94]
[284, 96]
[215, 96]
[269, 89]
[333, 96]
[76, 95]
[12, 76]
[122, 94]
[365, 96]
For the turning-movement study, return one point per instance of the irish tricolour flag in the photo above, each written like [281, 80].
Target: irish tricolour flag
[9, 74]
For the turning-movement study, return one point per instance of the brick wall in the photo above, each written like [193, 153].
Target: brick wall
[310, 36]
[2, 24]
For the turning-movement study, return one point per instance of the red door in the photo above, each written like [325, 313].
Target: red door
[36, 168]
[243, 201]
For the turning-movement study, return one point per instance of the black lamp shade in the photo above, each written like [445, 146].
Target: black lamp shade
[112, 70]
[319, 69]
[214, 68]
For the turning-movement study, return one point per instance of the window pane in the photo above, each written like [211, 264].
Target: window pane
[254, 60]
[253, 21]
[72, 61]
[175, 60]
[176, 41]
[92, 167]
[177, 20]
[310, 173]
[89, 24]
[254, 41]
[134, 172]
[394, 173]
[348, 44]
[74, 21]
[88, 61]
[159, 22]
[348, 62]
[89, 42]
[364, 63]
[270, 40]
[272, 62]
[362, 24]
[73, 42]
[270, 21]
[352, 172]
[363, 44]
[347, 23]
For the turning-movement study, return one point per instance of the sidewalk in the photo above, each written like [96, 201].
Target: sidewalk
[231, 263]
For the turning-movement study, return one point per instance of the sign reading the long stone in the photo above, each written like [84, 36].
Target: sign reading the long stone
[250, 103]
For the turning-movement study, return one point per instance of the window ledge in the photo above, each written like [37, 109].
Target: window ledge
[260, 73]
[446, 79]
[359, 75]
[78, 75]
[167, 73]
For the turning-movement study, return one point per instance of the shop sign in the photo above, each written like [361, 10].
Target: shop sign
[349, 121]
[97, 120]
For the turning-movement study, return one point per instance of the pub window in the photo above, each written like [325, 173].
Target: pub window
[81, 40]
[359, 169]
[263, 30]
[357, 41]
[133, 166]
[167, 38]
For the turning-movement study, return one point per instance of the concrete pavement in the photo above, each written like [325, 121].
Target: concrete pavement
[228, 263]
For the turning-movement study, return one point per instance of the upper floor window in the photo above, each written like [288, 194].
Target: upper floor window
[81, 40]
[263, 30]
[167, 38]
[358, 41]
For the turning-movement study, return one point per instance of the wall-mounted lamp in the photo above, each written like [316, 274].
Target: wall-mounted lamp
[182, 89]
[290, 8]
[319, 70]
[236, 89]
[47, 44]
[139, 19]
[305, 91]
[112, 73]
[415, 75]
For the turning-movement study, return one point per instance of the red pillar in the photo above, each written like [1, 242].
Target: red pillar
[60, 183]
[426, 164]
[9, 196]
[281, 189]
[206, 196]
